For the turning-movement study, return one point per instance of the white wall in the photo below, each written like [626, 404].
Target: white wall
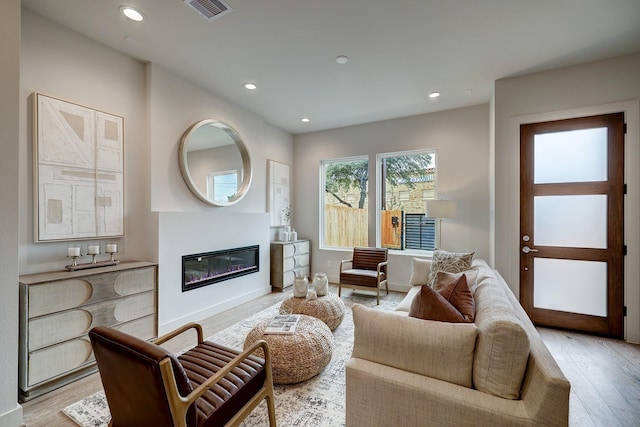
[588, 89]
[461, 137]
[175, 105]
[61, 63]
[10, 411]
[184, 233]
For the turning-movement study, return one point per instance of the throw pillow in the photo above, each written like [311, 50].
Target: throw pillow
[444, 278]
[459, 295]
[419, 271]
[451, 262]
[454, 303]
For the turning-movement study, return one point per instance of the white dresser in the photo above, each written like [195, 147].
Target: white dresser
[58, 309]
[287, 259]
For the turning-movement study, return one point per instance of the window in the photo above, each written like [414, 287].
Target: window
[344, 216]
[222, 186]
[406, 179]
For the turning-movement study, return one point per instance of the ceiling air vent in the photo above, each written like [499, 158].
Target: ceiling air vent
[210, 9]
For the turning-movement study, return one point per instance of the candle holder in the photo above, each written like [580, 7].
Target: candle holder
[74, 262]
[112, 249]
[93, 250]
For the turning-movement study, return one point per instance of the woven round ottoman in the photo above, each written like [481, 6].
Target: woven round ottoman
[329, 308]
[297, 357]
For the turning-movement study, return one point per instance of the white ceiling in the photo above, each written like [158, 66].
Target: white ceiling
[399, 50]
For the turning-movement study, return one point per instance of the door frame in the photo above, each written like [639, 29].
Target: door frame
[632, 203]
[613, 323]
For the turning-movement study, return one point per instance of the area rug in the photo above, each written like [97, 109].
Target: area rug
[317, 402]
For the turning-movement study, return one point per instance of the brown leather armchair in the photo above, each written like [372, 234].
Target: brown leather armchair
[368, 270]
[208, 385]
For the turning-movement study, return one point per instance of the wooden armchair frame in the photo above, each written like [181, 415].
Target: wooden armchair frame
[368, 271]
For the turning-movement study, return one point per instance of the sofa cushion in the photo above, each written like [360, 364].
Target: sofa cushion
[453, 303]
[444, 351]
[452, 262]
[502, 350]
[420, 269]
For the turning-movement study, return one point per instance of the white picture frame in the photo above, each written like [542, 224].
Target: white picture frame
[78, 157]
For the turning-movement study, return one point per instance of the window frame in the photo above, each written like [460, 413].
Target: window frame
[322, 180]
[379, 198]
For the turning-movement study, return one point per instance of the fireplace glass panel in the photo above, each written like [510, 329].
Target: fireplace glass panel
[212, 267]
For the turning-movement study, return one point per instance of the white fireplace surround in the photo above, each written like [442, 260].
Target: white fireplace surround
[182, 233]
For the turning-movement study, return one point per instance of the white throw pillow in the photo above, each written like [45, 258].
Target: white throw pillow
[451, 262]
[419, 271]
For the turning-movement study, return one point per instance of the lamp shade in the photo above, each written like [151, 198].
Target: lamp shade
[441, 209]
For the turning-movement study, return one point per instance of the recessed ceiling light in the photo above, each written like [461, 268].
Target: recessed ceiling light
[305, 120]
[342, 59]
[131, 13]
[250, 86]
[434, 94]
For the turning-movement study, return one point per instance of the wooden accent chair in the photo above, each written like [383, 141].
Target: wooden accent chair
[368, 270]
[208, 385]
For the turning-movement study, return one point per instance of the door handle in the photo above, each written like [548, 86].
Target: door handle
[527, 249]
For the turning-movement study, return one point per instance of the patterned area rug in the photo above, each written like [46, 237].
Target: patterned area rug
[317, 402]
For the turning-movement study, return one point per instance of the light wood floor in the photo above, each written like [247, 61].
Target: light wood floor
[604, 373]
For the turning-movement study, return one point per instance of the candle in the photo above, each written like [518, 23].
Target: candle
[112, 248]
[93, 250]
[73, 252]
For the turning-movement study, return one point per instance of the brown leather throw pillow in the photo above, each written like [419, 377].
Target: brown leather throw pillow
[453, 303]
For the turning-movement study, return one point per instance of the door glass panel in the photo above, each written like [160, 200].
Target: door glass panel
[571, 221]
[570, 285]
[572, 156]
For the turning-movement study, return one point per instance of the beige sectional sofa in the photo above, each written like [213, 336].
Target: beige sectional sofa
[493, 372]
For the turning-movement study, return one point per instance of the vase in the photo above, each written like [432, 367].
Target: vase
[321, 284]
[300, 286]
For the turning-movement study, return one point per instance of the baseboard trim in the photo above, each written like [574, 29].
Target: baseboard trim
[12, 418]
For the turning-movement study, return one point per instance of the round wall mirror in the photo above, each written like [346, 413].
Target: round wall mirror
[215, 163]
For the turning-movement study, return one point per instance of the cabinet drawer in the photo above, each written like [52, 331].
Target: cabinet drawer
[297, 248]
[60, 358]
[288, 250]
[53, 328]
[301, 261]
[68, 356]
[65, 294]
[288, 264]
[301, 247]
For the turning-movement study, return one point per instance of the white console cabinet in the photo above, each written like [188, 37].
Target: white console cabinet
[287, 259]
[58, 309]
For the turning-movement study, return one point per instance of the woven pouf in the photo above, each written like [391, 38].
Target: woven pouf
[329, 308]
[297, 357]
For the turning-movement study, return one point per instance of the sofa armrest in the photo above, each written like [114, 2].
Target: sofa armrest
[436, 349]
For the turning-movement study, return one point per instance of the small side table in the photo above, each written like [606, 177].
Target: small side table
[297, 357]
[329, 308]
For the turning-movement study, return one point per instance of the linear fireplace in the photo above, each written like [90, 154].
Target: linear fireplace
[211, 267]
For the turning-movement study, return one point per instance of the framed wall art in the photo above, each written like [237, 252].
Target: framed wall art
[279, 202]
[78, 171]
